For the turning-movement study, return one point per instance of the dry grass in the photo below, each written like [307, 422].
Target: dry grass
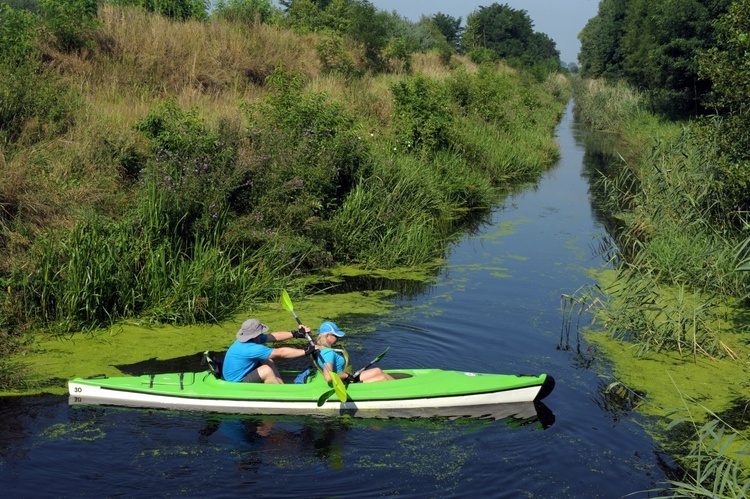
[430, 65]
[151, 56]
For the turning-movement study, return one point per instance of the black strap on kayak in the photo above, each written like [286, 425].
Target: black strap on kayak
[182, 376]
[213, 363]
[151, 385]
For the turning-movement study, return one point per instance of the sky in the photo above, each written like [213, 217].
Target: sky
[561, 20]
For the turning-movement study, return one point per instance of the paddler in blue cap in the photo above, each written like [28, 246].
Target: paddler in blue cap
[328, 334]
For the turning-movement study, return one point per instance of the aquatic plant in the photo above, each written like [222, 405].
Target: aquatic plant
[715, 461]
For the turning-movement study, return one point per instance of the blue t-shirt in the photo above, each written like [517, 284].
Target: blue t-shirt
[243, 357]
[332, 357]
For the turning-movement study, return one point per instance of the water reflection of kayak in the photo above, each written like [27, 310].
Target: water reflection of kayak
[414, 393]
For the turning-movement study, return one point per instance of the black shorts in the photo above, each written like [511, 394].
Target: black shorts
[252, 377]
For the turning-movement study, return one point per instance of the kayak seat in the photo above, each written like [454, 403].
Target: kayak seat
[213, 363]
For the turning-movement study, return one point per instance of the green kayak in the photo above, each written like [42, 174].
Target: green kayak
[413, 392]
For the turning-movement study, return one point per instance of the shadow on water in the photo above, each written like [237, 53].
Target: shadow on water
[153, 365]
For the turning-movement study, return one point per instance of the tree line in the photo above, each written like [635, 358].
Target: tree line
[689, 58]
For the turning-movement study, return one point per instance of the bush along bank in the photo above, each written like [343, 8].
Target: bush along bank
[176, 202]
[674, 316]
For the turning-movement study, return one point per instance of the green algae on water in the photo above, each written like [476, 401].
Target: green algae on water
[55, 360]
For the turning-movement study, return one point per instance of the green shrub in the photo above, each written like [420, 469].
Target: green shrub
[399, 52]
[423, 120]
[18, 30]
[70, 22]
[328, 156]
[244, 11]
[33, 112]
[193, 168]
[445, 51]
[482, 55]
[334, 58]
[176, 9]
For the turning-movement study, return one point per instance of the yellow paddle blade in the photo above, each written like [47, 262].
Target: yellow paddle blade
[338, 387]
[286, 302]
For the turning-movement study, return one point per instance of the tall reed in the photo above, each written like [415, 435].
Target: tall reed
[715, 463]
[605, 106]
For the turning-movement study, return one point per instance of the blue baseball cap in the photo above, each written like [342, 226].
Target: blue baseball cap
[329, 327]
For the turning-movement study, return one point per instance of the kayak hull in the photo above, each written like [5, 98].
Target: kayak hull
[414, 393]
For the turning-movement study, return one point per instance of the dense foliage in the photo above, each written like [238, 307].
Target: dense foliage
[508, 33]
[177, 9]
[688, 57]
[176, 166]
[652, 45]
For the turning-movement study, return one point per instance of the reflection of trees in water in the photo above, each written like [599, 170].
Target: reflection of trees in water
[601, 160]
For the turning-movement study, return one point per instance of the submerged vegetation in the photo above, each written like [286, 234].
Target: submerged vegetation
[175, 166]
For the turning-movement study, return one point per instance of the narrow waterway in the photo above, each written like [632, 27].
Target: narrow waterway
[495, 307]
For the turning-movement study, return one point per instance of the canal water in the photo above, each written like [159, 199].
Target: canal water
[494, 307]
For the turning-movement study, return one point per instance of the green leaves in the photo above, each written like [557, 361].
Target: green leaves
[176, 9]
[71, 22]
[422, 117]
[18, 28]
[653, 46]
[509, 34]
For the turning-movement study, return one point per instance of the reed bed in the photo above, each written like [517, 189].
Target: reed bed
[607, 107]
[663, 204]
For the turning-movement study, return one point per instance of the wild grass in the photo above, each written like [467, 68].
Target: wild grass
[607, 107]
[167, 57]
[203, 165]
[678, 261]
[398, 217]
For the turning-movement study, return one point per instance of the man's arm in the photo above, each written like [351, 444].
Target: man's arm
[286, 335]
[291, 353]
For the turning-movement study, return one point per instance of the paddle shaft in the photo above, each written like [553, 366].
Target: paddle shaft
[376, 359]
[338, 385]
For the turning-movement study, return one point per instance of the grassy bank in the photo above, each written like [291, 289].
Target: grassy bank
[180, 171]
[674, 318]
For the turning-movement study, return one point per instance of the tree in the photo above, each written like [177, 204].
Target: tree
[601, 50]
[500, 28]
[369, 27]
[450, 27]
[509, 34]
[726, 63]
[726, 66]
